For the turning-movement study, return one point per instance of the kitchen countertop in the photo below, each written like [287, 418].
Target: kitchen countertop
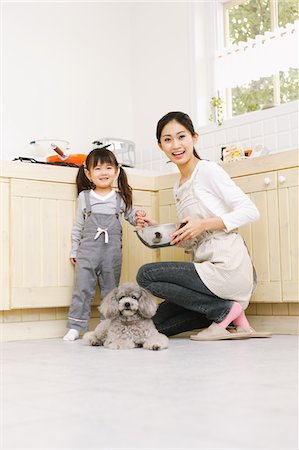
[138, 178]
[261, 164]
[145, 179]
[243, 167]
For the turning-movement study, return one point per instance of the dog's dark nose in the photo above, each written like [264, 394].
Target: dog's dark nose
[127, 305]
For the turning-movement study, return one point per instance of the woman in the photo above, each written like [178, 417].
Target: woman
[214, 290]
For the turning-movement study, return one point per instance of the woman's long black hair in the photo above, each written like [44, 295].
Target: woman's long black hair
[104, 156]
[179, 117]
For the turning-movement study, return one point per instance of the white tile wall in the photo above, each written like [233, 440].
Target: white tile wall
[283, 140]
[295, 138]
[270, 141]
[232, 135]
[244, 132]
[275, 128]
[283, 123]
[294, 120]
[270, 126]
[256, 129]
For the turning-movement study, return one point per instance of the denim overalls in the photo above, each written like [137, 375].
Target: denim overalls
[99, 259]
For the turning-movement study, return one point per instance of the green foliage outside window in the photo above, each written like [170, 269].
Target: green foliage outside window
[288, 12]
[252, 97]
[289, 85]
[249, 19]
[246, 21]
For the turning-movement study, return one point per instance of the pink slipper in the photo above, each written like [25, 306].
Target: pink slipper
[216, 332]
[253, 333]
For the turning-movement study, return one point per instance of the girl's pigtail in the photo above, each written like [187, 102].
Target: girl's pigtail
[82, 181]
[124, 188]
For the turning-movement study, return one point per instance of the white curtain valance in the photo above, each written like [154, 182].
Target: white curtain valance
[260, 57]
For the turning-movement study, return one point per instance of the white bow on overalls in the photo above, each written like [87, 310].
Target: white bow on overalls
[100, 231]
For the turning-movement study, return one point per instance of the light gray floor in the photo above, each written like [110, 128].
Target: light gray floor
[211, 395]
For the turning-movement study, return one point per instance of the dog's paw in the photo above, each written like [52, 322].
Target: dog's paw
[90, 338]
[152, 346]
[155, 347]
[156, 342]
[119, 344]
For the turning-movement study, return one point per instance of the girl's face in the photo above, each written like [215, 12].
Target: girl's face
[177, 143]
[102, 175]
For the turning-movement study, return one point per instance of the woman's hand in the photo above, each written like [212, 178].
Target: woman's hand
[190, 229]
[141, 219]
[73, 261]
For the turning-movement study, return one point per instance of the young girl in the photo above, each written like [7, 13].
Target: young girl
[97, 233]
[214, 289]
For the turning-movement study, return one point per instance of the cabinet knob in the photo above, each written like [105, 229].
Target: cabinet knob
[267, 181]
[281, 179]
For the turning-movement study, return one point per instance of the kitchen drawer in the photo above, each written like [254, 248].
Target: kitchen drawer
[143, 198]
[288, 178]
[42, 189]
[166, 197]
[255, 183]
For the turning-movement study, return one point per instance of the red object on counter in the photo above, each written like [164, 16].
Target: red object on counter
[78, 159]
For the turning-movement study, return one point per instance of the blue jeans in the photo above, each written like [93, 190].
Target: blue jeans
[188, 303]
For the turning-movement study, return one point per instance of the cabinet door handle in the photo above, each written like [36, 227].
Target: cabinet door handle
[281, 179]
[267, 181]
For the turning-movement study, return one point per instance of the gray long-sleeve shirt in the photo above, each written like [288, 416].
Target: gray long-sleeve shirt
[100, 204]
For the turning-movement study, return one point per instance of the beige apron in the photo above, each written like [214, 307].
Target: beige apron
[221, 259]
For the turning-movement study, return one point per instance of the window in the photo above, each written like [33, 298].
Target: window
[260, 39]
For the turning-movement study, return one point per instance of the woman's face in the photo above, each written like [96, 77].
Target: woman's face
[177, 143]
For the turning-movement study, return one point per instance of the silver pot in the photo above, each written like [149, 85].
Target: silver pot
[157, 236]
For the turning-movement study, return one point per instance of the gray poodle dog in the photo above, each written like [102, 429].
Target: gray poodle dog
[128, 310]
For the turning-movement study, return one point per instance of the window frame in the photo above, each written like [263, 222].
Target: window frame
[227, 5]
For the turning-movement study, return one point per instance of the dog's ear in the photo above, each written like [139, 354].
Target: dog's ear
[147, 305]
[109, 305]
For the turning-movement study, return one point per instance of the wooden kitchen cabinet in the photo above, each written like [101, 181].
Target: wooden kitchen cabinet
[288, 225]
[4, 245]
[273, 240]
[38, 205]
[135, 254]
[168, 215]
[272, 184]
[262, 237]
[42, 216]
[37, 212]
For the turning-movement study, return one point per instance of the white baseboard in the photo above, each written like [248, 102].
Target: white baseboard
[275, 324]
[47, 329]
[40, 329]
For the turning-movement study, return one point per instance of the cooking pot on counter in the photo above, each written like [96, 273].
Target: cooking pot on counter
[41, 150]
[157, 236]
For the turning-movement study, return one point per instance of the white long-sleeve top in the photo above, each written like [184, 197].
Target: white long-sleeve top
[100, 204]
[221, 195]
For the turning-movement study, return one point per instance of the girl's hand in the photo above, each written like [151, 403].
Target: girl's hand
[191, 229]
[73, 261]
[142, 219]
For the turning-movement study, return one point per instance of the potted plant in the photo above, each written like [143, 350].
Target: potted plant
[216, 110]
